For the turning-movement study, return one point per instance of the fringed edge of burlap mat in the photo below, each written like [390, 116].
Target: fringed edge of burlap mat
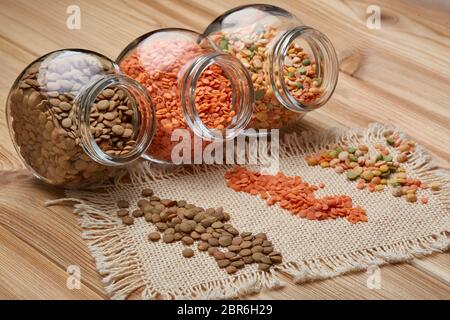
[118, 261]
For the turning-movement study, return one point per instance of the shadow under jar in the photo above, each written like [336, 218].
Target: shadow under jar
[294, 68]
[199, 93]
[75, 120]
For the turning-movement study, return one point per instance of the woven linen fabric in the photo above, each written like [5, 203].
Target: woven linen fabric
[396, 230]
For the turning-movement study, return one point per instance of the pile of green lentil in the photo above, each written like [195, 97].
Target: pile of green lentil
[188, 223]
[375, 171]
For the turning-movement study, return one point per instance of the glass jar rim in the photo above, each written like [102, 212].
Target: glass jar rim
[323, 52]
[242, 95]
[146, 114]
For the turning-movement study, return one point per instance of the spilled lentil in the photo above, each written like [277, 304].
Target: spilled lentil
[375, 171]
[294, 195]
[210, 228]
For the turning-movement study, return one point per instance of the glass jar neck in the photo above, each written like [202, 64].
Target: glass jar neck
[241, 89]
[143, 118]
[322, 53]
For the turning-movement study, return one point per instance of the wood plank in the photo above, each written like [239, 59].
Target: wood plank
[53, 232]
[397, 282]
[31, 275]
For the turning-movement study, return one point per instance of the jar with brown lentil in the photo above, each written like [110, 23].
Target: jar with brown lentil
[206, 93]
[75, 119]
[294, 68]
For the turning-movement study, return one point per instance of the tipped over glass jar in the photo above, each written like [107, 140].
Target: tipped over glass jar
[195, 89]
[75, 120]
[294, 68]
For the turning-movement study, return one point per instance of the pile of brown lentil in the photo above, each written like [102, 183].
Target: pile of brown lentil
[44, 118]
[185, 222]
[378, 171]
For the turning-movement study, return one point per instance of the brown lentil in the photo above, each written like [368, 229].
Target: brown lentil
[187, 240]
[142, 203]
[137, 213]
[223, 263]
[213, 242]
[238, 263]
[218, 255]
[231, 269]
[123, 204]
[168, 238]
[247, 259]
[225, 241]
[188, 253]
[127, 220]
[122, 213]
[211, 250]
[147, 192]
[154, 236]
[203, 246]
[257, 249]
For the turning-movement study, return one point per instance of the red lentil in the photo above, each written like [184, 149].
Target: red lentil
[157, 66]
[295, 195]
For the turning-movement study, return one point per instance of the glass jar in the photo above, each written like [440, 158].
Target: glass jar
[196, 90]
[294, 68]
[75, 119]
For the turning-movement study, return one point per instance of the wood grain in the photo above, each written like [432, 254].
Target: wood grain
[399, 74]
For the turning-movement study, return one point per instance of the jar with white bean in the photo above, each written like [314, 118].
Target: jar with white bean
[75, 120]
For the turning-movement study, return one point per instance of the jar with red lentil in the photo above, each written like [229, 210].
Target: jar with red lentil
[75, 120]
[294, 68]
[195, 89]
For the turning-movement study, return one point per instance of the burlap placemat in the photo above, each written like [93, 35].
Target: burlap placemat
[396, 231]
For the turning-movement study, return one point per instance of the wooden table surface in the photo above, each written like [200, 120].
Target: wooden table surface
[399, 74]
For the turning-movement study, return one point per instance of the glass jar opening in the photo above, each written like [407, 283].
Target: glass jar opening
[305, 69]
[116, 120]
[227, 113]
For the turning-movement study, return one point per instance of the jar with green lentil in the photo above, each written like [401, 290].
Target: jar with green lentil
[294, 68]
[75, 120]
[198, 91]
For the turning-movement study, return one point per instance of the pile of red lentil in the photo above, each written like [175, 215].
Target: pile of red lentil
[158, 66]
[375, 172]
[295, 195]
